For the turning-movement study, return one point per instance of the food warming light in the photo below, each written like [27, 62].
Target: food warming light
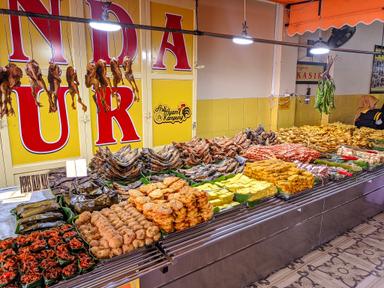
[319, 48]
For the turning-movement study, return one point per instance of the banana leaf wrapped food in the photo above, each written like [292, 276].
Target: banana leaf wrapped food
[38, 216]
[91, 197]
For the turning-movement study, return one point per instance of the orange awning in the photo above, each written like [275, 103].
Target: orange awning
[304, 16]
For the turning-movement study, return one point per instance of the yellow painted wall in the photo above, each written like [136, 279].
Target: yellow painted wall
[218, 117]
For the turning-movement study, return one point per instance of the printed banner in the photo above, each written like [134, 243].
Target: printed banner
[172, 110]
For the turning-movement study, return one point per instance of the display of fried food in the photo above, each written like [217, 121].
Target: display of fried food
[286, 152]
[330, 137]
[123, 165]
[195, 151]
[168, 158]
[172, 204]
[117, 230]
[286, 176]
[321, 138]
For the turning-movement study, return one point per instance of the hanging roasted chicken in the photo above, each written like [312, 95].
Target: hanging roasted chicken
[10, 77]
[33, 71]
[91, 81]
[54, 80]
[117, 78]
[128, 73]
[73, 87]
[105, 82]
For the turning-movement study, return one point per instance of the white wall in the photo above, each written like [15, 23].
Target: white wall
[352, 72]
[234, 71]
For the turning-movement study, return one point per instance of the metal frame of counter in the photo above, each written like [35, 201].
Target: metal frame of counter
[247, 244]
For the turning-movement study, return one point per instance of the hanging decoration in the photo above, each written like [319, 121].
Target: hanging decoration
[325, 94]
[117, 78]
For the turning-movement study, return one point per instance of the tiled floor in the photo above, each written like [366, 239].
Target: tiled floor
[353, 260]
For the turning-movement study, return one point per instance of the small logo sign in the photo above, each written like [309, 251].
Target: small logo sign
[165, 114]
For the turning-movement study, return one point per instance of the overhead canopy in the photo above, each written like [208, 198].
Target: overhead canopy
[309, 16]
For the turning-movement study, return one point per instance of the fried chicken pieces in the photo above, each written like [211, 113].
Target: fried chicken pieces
[128, 73]
[54, 80]
[73, 87]
[10, 77]
[117, 230]
[35, 75]
[172, 204]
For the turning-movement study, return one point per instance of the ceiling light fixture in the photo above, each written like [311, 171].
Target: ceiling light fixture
[243, 38]
[105, 26]
[319, 48]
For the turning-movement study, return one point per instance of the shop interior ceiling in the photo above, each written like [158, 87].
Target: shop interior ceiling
[291, 5]
[309, 16]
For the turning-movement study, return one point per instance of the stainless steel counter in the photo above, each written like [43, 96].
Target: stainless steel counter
[245, 245]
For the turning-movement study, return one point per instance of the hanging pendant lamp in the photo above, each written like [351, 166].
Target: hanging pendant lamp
[105, 26]
[243, 38]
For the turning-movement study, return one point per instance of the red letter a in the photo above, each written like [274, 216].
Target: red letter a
[177, 48]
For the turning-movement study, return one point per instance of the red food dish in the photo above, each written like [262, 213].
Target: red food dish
[85, 262]
[75, 244]
[48, 263]
[53, 273]
[54, 241]
[10, 264]
[30, 278]
[6, 244]
[48, 254]
[69, 235]
[51, 233]
[38, 245]
[63, 253]
[31, 265]
[6, 253]
[7, 277]
[65, 228]
[69, 270]
[22, 241]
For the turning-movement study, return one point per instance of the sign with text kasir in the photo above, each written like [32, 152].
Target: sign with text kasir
[309, 72]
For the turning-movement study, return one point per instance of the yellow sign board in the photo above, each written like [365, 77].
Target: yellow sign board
[172, 108]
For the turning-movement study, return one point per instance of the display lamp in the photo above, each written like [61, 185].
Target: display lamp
[244, 38]
[102, 25]
[319, 48]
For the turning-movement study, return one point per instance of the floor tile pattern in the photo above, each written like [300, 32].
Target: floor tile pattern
[353, 260]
